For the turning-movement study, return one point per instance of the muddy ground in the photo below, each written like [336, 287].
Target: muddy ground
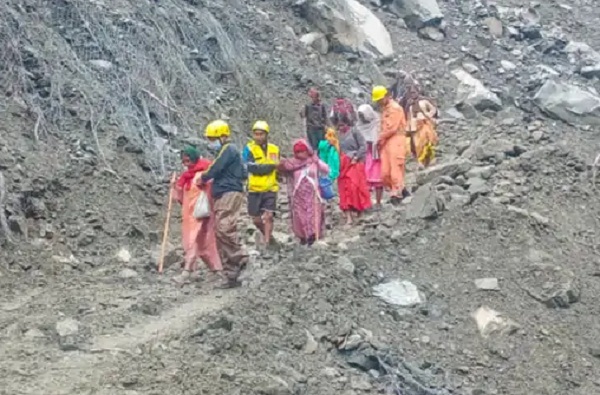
[507, 220]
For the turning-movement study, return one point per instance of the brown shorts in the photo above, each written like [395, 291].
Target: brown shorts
[259, 202]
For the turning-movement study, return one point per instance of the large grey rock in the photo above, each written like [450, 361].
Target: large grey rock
[585, 57]
[67, 327]
[491, 322]
[568, 103]
[399, 293]
[472, 93]
[477, 187]
[487, 284]
[317, 41]
[417, 13]
[551, 285]
[591, 71]
[349, 23]
[425, 204]
[451, 168]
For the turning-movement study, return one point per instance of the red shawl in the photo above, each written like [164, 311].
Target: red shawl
[185, 180]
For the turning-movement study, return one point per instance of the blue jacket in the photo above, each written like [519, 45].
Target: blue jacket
[227, 172]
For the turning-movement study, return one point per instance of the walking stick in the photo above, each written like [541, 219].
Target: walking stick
[317, 211]
[161, 260]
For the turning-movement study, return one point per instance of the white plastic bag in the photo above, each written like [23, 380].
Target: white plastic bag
[202, 206]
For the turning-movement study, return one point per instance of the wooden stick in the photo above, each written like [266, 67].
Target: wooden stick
[161, 260]
[316, 221]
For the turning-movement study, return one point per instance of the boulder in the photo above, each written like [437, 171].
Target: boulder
[551, 285]
[472, 93]
[487, 284]
[416, 13]
[399, 293]
[591, 71]
[581, 54]
[477, 187]
[451, 168]
[349, 23]
[425, 204]
[494, 26]
[568, 103]
[490, 322]
[317, 41]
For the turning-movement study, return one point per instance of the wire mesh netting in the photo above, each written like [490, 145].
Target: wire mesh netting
[128, 68]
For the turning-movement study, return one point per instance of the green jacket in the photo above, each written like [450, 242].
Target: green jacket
[329, 155]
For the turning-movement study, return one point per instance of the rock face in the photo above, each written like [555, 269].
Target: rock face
[568, 103]
[472, 93]
[349, 23]
[417, 13]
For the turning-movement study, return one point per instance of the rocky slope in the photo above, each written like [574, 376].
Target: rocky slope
[495, 259]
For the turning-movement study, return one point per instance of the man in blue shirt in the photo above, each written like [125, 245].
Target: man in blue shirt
[228, 174]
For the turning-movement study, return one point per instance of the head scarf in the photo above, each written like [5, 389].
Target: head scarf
[292, 164]
[301, 146]
[370, 128]
[191, 152]
[196, 165]
[332, 138]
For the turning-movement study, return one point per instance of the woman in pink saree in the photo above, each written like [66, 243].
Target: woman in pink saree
[306, 206]
[198, 235]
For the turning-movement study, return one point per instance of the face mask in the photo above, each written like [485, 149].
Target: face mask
[214, 145]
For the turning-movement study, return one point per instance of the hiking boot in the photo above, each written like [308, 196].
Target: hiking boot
[182, 278]
[405, 193]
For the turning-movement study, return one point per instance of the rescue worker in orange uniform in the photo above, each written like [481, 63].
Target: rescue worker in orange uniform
[391, 143]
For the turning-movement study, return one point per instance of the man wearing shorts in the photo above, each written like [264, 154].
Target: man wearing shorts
[262, 159]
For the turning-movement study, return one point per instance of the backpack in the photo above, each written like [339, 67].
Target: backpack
[342, 110]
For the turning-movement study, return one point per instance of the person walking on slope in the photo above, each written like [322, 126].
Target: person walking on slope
[302, 178]
[315, 116]
[198, 235]
[329, 153]
[391, 143]
[227, 173]
[262, 158]
[421, 115]
[352, 183]
[369, 125]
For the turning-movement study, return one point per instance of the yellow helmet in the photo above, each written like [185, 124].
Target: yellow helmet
[216, 129]
[379, 92]
[261, 125]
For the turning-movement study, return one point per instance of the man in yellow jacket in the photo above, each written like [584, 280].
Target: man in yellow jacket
[262, 159]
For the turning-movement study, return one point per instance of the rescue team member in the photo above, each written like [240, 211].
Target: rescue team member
[391, 143]
[228, 174]
[262, 158]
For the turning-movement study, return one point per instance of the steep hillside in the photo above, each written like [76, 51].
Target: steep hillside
[98, 97]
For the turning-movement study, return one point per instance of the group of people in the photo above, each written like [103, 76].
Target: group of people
[362, 150]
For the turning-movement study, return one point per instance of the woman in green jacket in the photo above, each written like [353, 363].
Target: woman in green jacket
[329, 152]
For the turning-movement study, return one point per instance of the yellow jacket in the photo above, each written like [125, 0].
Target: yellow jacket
[254, 156]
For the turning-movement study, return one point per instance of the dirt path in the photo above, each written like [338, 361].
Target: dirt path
[81, 372]
[171, 322]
